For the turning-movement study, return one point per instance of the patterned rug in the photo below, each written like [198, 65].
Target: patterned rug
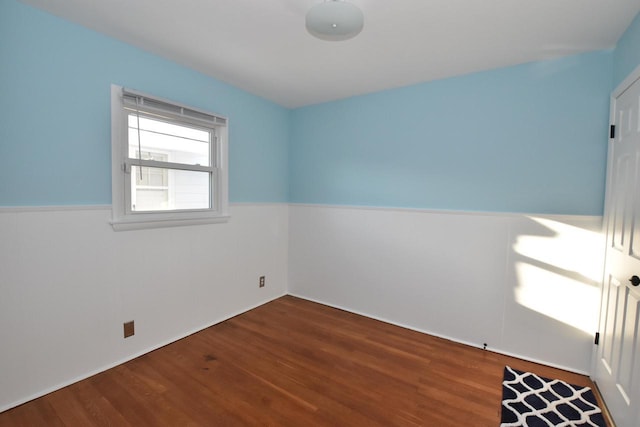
[532, 401]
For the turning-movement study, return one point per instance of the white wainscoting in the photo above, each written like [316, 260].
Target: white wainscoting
[526, 285]
[68, 282]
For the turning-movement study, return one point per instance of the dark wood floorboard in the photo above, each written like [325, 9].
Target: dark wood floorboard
[291, 362]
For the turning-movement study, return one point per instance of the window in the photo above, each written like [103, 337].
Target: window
[169, 163]
[150, 192]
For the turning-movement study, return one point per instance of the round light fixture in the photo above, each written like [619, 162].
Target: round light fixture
[334, 20]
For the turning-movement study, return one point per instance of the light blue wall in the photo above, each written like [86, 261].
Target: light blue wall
[55, 82]
[627, 54]
[529, 138]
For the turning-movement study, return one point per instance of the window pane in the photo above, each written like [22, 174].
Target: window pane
[179, 144]
[160, 189]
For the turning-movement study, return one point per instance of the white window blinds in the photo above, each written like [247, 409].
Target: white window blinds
[136, 101]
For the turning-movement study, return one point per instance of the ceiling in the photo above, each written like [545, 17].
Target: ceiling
[262, 46]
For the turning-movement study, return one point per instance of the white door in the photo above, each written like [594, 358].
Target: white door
[617, 370]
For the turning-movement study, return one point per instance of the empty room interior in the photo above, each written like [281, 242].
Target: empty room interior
[320, 216]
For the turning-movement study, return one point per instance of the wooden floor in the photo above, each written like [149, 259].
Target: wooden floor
[291, 363]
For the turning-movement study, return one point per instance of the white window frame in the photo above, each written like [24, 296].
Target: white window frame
[122, 216]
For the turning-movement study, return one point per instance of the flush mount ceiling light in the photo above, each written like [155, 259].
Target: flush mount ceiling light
[334, 20]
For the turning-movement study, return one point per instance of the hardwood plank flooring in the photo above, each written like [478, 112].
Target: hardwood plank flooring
[291, 362]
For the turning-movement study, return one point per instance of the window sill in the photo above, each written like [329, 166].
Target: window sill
[125, 224]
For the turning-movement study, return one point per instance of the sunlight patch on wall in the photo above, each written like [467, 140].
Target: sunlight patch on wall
[569, 248]
[558, 273]
[566, 300]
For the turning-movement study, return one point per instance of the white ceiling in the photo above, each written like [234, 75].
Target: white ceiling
[262, 46]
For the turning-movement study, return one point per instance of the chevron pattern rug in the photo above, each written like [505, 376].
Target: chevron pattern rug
[532, 401]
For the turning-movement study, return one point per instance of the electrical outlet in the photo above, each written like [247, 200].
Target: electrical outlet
[261, 282]
[129, 329]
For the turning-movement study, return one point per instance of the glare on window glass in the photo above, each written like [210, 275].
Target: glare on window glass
[180, 144]
[161, 189]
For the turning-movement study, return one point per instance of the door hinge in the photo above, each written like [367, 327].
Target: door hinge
[612, 131]
[596, 341]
